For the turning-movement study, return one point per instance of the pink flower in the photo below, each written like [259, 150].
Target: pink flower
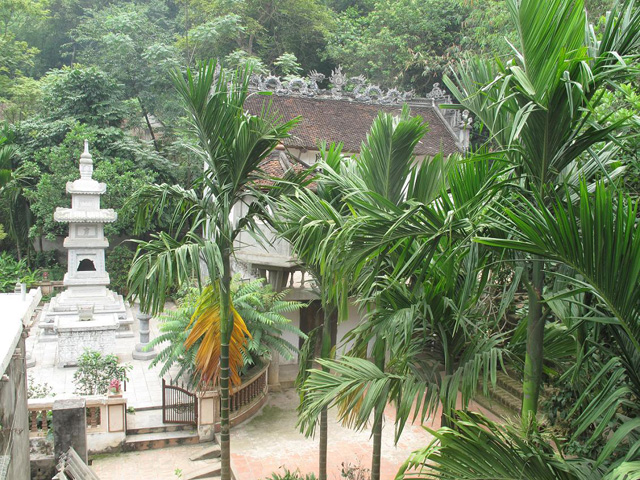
[115, 385]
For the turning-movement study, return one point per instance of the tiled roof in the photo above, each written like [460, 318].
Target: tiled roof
[276, 164]
[348, 122]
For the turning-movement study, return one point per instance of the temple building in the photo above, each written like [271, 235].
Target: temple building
[343, 113]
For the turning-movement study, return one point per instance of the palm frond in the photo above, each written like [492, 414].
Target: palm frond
[205, 327]
[479, 449]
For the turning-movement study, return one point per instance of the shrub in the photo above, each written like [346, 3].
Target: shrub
[118, 263]
[262, 310]
[354, 471]
[12, 272]
[96, 371]
[48, 261]
[289, 475]
[39, 390]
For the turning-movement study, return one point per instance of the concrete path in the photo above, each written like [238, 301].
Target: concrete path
[260, 446]
[163, 464]
[271, 440]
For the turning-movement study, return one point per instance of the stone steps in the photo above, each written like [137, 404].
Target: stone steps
[154, 440]
[504, 399]
[508, 383]
[207, 472]
[208, 453]
[160, 429]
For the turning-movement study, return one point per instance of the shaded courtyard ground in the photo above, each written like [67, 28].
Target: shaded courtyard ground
[269, 441]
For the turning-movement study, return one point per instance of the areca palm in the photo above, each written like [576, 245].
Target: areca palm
[309, 221]
[539, 110]
[409, 304]
[599, 240]
[231, 143]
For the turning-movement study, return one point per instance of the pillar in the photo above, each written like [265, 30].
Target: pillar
[70, 427]
[273, 372]
[140, 352]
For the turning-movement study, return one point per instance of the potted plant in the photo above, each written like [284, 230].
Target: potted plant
[114, 388]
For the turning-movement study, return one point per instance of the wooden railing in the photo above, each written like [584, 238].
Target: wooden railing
[251, 388]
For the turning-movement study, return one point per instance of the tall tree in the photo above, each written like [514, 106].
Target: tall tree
[539, 108]
[13, 179]
[308, 220]
[231, 143]
[133, 44]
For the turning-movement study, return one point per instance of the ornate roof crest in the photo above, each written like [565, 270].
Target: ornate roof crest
[341, 87]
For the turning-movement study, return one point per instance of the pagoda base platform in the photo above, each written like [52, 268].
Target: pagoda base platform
[76, 335]
[105, 303]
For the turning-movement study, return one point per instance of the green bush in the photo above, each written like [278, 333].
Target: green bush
[118, 263]
[48, 262]
[39, 390]
[261, 308]
[12, 272]
[96, 371]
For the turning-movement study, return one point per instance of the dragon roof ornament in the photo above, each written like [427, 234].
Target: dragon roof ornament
[341, 87]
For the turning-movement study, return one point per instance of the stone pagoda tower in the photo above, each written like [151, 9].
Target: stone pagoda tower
[86, 304]
[86, 278]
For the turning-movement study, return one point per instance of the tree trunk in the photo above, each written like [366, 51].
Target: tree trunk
[445, 416]
[225, 336]
[146, 117]
[378, 355]
[14, 232]
[324, 353]
[535, 338]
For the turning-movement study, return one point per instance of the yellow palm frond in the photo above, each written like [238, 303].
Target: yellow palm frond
[206, 326]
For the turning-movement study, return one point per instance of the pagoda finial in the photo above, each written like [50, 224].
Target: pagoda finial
[86, 163]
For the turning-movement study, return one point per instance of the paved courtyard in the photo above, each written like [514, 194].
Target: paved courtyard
[144, 388]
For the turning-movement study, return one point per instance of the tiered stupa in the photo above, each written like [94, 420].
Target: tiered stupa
[87, 307]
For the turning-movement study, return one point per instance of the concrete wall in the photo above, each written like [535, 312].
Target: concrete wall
[343, 328]
[14, 416]
[43, 467]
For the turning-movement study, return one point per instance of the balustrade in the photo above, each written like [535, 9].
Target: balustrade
[250, 389]
[40, 414]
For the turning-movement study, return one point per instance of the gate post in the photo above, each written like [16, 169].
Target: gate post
[208, 414]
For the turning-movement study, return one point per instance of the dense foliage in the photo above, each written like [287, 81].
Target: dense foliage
[435, 252]
[100, 70]
[262, 310]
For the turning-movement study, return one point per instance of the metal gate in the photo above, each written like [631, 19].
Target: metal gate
[178, 405]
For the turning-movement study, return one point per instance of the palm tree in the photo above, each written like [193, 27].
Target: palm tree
[232, 143]
[539, 109]
[426, 313]
[406, 312]
[308, 221]
[599, 240]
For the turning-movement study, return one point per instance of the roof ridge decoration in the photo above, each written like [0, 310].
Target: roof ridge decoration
[342, 86]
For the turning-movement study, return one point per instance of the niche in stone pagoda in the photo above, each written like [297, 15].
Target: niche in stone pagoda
[86, 314]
